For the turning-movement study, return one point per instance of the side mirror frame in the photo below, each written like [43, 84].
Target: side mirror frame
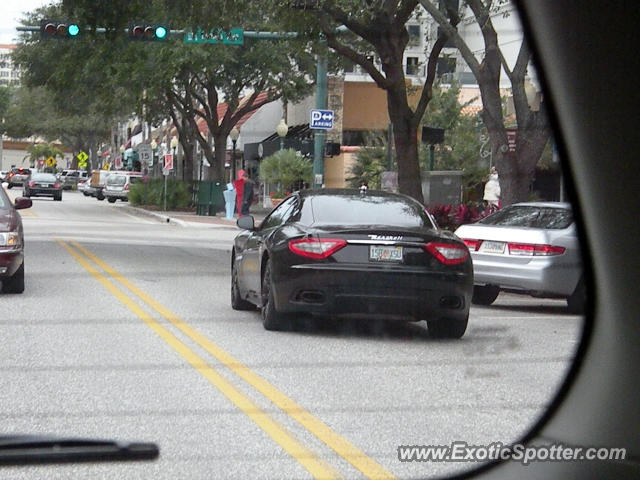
[22, 202]
[246, 222]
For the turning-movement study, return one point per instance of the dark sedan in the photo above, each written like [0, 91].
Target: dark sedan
[43, 184]
[342, 252]
[11, 243]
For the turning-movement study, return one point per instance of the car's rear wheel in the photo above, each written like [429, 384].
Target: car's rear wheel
[58, 198]
[484, 294]
[576, 302]
[447, 327]
[9, 186]
[271, 318]
[237, 302]
[15, 283]
[111, 200]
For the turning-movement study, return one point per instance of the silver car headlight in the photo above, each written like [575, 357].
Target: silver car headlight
[9, 239]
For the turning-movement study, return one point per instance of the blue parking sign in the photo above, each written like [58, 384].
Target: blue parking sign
[321, 119]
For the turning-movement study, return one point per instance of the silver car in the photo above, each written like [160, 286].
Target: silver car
[529, 248]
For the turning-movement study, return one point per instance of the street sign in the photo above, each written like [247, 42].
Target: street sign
[82, 156]
[145, 153]
[168, 164]
[321, 119]
[215, 36]
[51, 162]
[117, 163]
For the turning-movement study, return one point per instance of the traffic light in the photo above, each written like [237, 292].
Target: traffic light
[58, 29]
[148, 32]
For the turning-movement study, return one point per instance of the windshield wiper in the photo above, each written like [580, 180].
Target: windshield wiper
[22, 449]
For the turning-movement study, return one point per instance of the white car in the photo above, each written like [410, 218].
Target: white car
[529, 248]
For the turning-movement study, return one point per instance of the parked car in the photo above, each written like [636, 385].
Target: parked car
[98, 181]
[11, 243]
[118, 184]
[83, 185]
[529, 248]
[17, 176]
[43, 185]
[341, 251]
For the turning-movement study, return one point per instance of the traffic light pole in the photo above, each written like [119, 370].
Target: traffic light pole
[320, 94]
[319, 135]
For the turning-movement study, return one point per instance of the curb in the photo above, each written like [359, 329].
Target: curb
[158, 216]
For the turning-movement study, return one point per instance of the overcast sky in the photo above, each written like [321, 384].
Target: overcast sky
[11, 11]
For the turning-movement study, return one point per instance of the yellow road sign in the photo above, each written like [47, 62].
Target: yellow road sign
[51, 162]
[106, 166]
[82, 156]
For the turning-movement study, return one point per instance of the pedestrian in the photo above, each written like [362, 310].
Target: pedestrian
[492, 191]
[247, 194]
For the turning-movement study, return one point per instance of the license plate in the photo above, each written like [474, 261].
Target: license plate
[492, 247]
[45, 185]
[380, 253]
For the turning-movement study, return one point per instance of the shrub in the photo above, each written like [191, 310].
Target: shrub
[151, 192]
[286, 169]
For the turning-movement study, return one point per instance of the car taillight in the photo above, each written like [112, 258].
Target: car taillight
[11, 174]
[316, 248]
[447, 253]
[32, 184]
[472, 243]
[126, 187]
[530, 249]
[56, 185]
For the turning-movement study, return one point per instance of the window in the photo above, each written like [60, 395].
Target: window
[415, 35]
[413, 66]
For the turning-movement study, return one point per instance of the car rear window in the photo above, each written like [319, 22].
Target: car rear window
[135, 179]
[531, 217]
[369, 210]
[116, 179]
[43, 177]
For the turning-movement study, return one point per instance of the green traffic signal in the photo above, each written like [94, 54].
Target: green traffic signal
[58, 29]
[148, 32]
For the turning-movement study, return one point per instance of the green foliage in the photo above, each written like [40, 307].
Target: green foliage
[151, 192]
[42, 150]
[368, 167]
[286, 169]
[461, 147]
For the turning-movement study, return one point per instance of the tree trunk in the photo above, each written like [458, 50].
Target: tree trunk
[405, 135]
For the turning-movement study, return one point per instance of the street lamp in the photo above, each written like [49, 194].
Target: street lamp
[174, 145]
[282, 130]
[234, 134]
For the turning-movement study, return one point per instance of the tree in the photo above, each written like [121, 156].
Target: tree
[41, 151]
[287, 169]
[461, 147]
[533, 132]
[380, 28]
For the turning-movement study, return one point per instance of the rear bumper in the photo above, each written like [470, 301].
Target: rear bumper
[44, 192]
[10, 261]
[549, 275]
[122, 195]
[326, 289]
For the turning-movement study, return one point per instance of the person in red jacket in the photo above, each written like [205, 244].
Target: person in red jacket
[238, 185]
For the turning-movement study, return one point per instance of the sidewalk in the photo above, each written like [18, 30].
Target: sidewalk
[185, 219]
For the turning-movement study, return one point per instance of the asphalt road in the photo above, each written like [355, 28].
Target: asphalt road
[125, 331]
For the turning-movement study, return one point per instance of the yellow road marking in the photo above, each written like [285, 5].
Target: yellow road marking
[352, 454]
[308, 459]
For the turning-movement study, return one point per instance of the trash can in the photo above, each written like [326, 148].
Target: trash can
[210, 198]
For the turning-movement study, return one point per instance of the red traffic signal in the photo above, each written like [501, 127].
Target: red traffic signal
[148, 32]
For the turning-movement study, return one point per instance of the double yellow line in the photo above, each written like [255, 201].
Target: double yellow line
[317, 467]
